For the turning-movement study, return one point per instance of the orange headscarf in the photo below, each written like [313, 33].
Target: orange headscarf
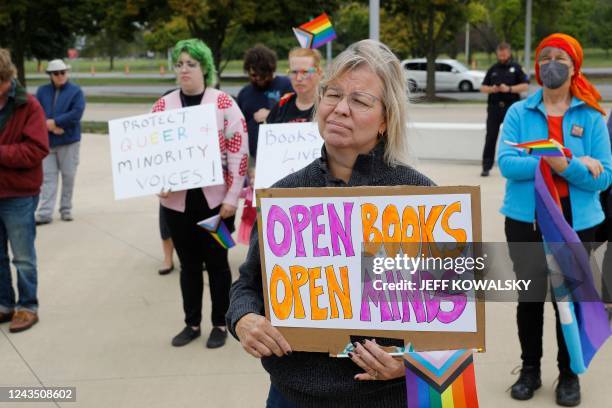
[580, 87]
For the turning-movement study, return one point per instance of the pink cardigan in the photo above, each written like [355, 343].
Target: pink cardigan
[234, 144]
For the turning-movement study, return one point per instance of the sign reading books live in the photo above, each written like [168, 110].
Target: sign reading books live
[172, 150]
[284, 148]
[332, 268]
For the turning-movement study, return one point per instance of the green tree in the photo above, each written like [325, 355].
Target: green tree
[396, 32]
[432, 23]
[211, 21]
[602, 29]
[224, 24]
[114, 23]
[351, 23]
[166, 34]
[42, 29]
[577, 19]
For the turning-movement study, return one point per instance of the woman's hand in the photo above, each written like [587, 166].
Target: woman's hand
[261, 115]
[164, 194]
[593, 165]
[377, 364]
[558, 164]
[227, 210]
[259, 338]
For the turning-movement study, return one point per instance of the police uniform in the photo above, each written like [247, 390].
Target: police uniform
[498, 103]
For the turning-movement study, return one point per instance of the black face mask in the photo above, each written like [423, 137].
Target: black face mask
[554, 74]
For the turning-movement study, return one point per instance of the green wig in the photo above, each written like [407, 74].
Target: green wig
[199, 52]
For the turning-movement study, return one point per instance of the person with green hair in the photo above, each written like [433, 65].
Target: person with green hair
[182, 210]
[201, 53]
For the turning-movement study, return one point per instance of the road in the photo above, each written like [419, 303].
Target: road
[461, 126]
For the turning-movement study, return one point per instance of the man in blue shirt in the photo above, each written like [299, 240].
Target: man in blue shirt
[265, 90]
[63, 103]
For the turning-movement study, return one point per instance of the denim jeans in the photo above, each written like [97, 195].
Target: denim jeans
[18, 228]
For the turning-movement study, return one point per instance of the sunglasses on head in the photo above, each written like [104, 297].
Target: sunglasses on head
[58, 73]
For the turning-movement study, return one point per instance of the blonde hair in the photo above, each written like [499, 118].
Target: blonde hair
[7, 69]
[307, 52]
[377, 57]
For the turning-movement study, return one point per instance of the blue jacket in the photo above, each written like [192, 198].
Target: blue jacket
[67, 111]
[526, 121]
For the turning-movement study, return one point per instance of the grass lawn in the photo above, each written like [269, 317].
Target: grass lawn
[121, 99]
[139, 65]
[94, 127]
[594, 58]
[109, 81]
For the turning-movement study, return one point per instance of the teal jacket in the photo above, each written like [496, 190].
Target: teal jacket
[584, 133]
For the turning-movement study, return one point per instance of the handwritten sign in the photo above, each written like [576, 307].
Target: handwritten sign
[321, 249]
[283, 149]
[172, 150]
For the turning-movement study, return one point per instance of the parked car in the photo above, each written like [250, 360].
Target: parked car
[451, 75]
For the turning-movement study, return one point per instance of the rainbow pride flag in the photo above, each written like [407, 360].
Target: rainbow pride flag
[219, 231]
[544, 147]
[441, 379]
[315, 33]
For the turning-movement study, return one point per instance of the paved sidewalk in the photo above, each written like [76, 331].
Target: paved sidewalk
[107, 317]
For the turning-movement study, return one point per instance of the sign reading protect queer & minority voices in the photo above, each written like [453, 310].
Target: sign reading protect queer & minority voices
[172, 150]
[332, 266]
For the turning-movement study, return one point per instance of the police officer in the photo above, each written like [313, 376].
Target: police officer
[503, 83]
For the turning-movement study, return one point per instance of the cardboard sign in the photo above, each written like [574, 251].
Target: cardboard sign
[317, 246]
[283, 149]
[173, 150]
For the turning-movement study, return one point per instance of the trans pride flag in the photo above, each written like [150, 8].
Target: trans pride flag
[315, 33]
[584, 320]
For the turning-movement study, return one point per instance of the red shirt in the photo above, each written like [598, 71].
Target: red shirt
[555, 132]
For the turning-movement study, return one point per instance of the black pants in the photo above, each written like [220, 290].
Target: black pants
[604, 233]
[495, 117]
[530, 315]
[194, 247]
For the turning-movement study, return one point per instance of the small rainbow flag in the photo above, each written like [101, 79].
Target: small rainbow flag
[315, 33]
[544, 147]
[219, 231]
[443, 379]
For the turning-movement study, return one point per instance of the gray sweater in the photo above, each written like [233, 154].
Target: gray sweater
[315, 379]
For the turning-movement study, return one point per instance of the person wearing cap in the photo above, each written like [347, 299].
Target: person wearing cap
[23, 146]
[567, 110]
[63, 103]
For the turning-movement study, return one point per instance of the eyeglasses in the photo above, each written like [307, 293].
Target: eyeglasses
[58, 73]
[305, 73]
[190, 65]
[357, 101]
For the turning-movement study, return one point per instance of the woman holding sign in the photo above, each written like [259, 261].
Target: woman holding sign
[566, 110]
[184, 209]
[361, 113]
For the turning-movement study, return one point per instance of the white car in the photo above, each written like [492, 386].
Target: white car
[451, 75]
